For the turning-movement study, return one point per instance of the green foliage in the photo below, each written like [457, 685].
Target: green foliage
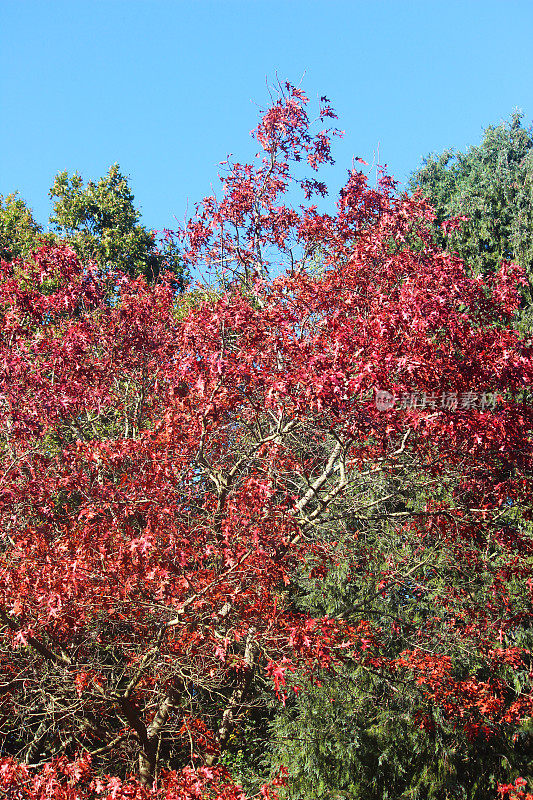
[100, 221]
[355, 736]
[492, 185]
[351, 733]
[19, 233]
[246, 755]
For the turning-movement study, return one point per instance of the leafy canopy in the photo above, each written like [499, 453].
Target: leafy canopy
[181, 484]
[102, 225]
[20, 234]
[492, 186]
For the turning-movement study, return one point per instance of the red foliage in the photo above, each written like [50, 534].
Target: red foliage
[164, 472]
[515, 791]
[75, 780]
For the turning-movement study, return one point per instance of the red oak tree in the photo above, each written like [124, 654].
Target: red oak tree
[172, 468]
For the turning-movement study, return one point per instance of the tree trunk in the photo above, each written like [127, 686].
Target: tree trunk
[148, 754]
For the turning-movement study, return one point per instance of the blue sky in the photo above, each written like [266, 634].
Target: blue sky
[169, 87]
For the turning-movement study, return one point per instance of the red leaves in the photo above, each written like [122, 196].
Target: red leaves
[64, 780]
[168, 476]
[61, 779]
[251, 202]
[277, 673]
[475, 704]
[453, 224]
[285, 128]
[515, 791]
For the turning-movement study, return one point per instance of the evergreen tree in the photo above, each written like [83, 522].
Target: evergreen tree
[492, 186]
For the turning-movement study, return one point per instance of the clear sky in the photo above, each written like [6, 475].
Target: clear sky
[169, 87]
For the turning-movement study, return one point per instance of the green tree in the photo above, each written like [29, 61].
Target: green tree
[101, 223]
[351, 733]
[20, 234]
[492, 185]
